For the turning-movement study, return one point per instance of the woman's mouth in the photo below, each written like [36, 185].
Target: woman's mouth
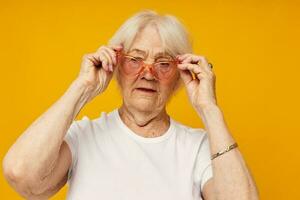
[146, 90]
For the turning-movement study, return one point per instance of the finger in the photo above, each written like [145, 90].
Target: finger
[204, 63]
[195, 59]
[101, 59]
[199, 60]
[186, 76]
[104, 50]
[191, 67]
[92, 59]
[111, 53]
[183, 56]
[104, 62]
[117, 47]
[108, 59]
[196, 70]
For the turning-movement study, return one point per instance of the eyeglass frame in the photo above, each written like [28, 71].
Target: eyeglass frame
[145, 65]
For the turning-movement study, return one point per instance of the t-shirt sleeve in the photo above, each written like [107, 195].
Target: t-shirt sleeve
[71, 138]
[203, 170]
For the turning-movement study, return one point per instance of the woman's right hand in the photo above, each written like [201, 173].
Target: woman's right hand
[97, 69]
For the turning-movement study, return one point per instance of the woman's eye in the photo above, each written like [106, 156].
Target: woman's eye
[135, 59]
[164, 64]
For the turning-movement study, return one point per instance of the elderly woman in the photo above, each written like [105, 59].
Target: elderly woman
[136, 151]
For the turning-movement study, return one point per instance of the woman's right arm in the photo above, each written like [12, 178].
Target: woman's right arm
[36, 165]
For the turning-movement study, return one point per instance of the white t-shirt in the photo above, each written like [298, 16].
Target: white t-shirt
[111, 162]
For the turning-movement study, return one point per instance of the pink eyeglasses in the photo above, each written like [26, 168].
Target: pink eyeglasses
[134, 66]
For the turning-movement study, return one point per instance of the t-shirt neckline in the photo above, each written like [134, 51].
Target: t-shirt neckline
[137, 137]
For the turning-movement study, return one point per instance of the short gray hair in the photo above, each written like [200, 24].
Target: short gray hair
[173, 34]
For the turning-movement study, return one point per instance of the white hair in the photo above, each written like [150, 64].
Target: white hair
[173, 34]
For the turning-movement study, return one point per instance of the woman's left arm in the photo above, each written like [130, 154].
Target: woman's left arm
[232, 179]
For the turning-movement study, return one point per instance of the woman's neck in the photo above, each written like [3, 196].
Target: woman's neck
[145, 123]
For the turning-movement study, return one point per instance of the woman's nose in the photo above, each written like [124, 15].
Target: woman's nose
[148, 72]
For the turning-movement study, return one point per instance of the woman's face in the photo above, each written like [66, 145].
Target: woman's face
[145, 92]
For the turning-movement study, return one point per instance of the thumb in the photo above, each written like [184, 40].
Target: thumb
[118, 47]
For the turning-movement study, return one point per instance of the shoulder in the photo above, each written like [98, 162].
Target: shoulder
[194, 134]
[81, 123]
[183, 130]
[87, 124]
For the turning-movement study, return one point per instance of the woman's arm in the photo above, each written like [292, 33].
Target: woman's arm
[31, 164]
[37, 163]
[231, 177]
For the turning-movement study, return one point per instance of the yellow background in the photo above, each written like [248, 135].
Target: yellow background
[254, 46]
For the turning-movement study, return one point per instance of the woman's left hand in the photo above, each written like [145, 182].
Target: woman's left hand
[201, 90]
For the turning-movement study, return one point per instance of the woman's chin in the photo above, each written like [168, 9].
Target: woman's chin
[145, 103]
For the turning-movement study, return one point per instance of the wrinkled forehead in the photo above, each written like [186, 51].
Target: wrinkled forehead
[149, 43]
[154, 53]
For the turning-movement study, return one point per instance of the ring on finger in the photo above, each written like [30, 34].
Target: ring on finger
[210, 65]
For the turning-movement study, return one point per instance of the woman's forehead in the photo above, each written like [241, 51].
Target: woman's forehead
[156, 53]
[149, 42]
